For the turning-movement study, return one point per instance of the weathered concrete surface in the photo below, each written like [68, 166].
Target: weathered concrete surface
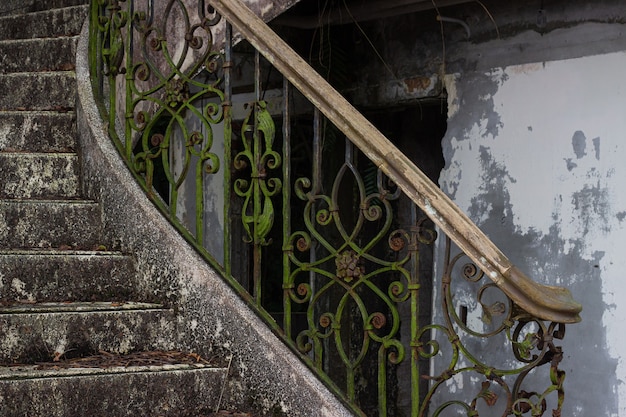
[72, 301]
[45, 224]
[130, 392]
[65, 275]
[39, 175]
[265, 375]
[14, 6]
[48, 23]
[31, 55]
[37, 131]
[9, 7]
[38, 91]
[65, 330]
[39, 5]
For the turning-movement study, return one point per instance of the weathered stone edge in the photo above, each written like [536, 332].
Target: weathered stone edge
[265, 373]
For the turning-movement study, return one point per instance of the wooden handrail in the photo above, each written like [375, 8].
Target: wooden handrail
[542, 301]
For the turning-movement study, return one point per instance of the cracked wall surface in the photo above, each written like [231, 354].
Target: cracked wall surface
[534, 154]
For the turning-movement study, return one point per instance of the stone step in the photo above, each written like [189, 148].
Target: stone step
[42, 332]
[43, 24]
[14, 7]
[37, 131]
[146, 391]
[67, 275]
[33, 55]
[38, 91]
[50, 224]
[39, 175]
[39, 5]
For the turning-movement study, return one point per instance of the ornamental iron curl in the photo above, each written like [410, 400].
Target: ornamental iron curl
[349, 287]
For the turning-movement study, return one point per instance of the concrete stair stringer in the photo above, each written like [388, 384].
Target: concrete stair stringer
[265, 374]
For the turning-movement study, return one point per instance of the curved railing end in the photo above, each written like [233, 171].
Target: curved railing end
[544, 301]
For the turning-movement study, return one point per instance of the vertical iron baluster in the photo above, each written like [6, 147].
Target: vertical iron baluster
[287, 322]
[127, 82]
[227, 108]
[256, 170]
[316, 187]
[414, 288]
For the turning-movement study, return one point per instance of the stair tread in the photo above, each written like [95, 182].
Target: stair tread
[27, 112]
[37, 154]
[64, 38]
[45, 201]
[113, 363]
[61, 252]
[66, 73]
[78, 307]
[32, 371]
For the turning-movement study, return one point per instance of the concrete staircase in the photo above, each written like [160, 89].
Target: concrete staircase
[79, 334]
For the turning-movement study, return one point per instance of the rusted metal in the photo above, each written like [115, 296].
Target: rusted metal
[349, 289]
[547, 302]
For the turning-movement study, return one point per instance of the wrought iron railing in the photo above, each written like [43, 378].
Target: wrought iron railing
[307, 218]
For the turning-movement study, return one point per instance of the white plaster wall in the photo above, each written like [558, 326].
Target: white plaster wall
[544, 151]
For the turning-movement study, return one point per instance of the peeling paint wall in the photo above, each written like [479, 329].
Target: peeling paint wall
[535, 155]
[534, 152]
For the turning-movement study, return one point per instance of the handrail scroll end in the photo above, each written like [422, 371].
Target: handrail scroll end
[544, 301]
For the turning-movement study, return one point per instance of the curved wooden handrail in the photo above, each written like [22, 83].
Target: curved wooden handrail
[542, 301]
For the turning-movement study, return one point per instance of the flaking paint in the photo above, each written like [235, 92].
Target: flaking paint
[535, 156]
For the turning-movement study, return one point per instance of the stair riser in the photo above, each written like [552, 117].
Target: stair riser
[188, 393]
[45, 225]
[35, 55]
[38, 91]
[58, 22]
[38, 337]
[12, 7]
[39, 175]
[57, 277]
[37, 132]
[39, 5]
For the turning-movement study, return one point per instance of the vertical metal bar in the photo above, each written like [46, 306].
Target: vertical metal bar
[316, 186]
[320, 359]
[257, 253]
[414, 288]
[199, 191]
[128, 79]
[317, 151]
[227, 109]
[349, 156]
[95, 49]
[287, 322]
[382, 382]
[257, 76]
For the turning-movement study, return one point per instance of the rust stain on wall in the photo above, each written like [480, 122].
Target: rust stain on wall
[417, 83]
